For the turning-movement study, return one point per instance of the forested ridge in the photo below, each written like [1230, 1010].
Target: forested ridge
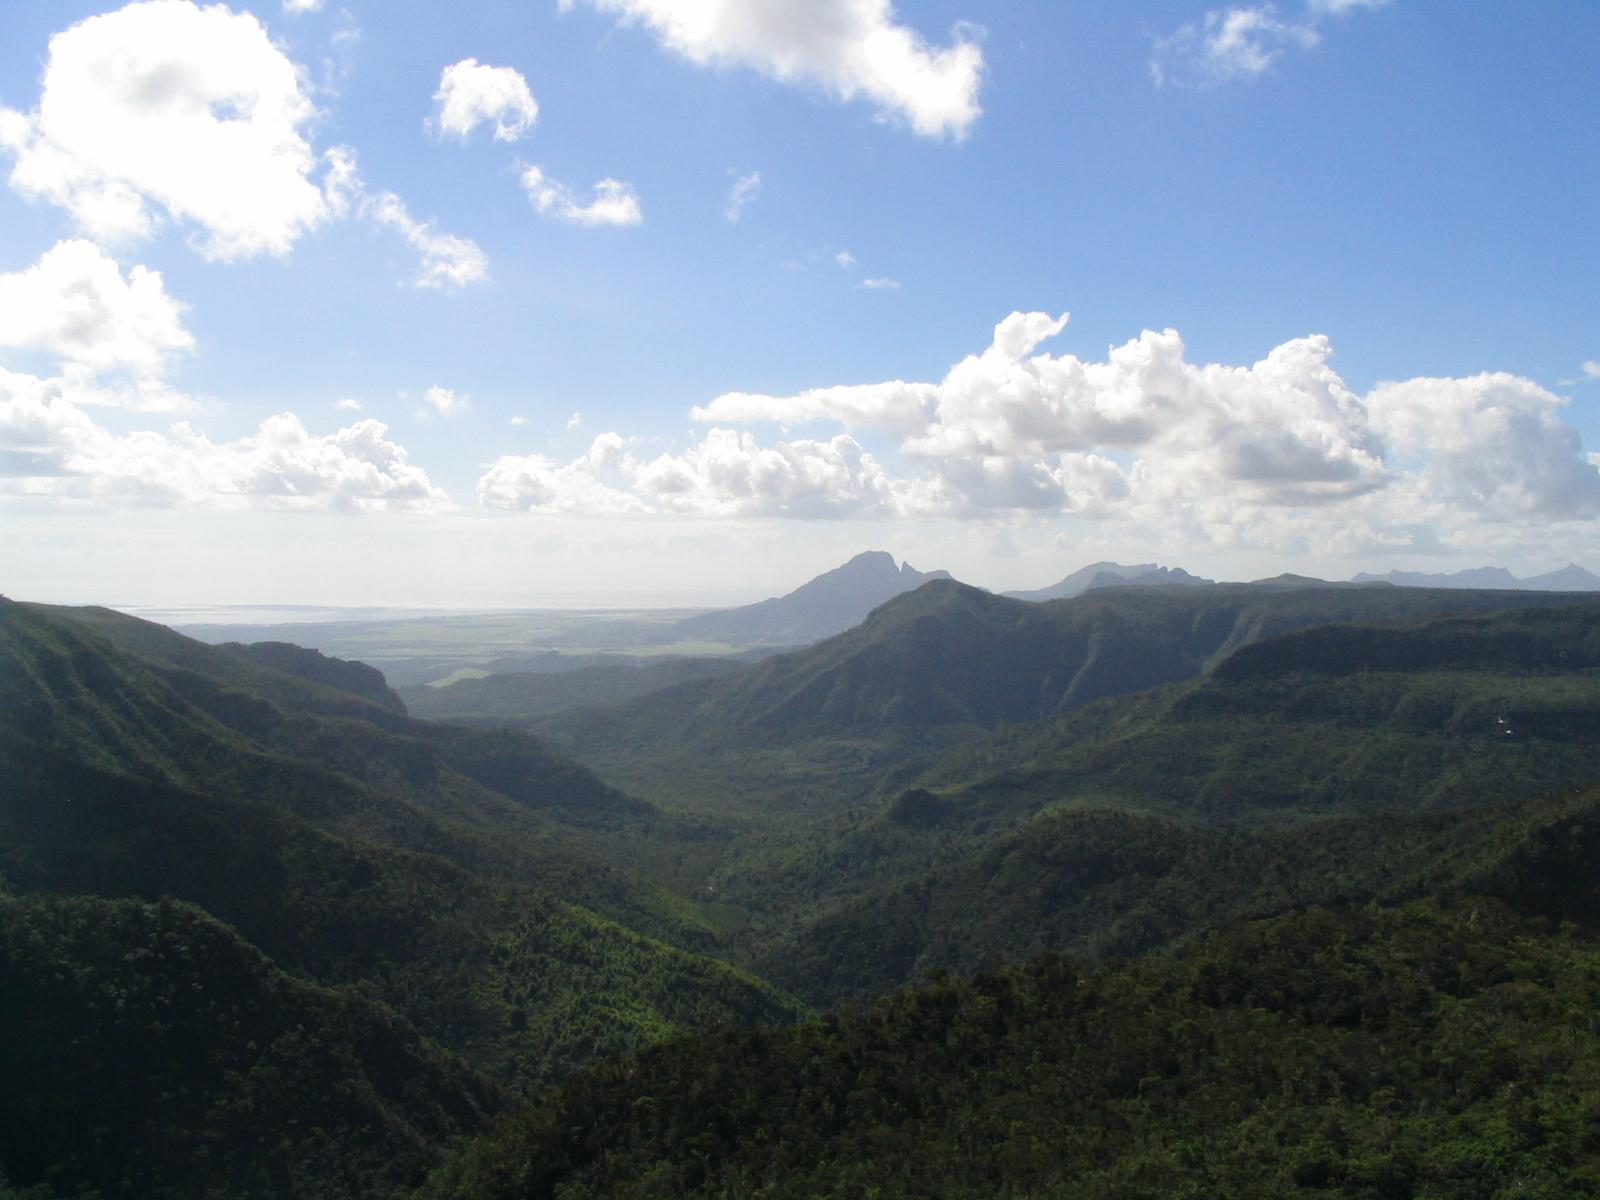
[1314, 914]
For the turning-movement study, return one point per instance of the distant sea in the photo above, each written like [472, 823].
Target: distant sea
[286, 614]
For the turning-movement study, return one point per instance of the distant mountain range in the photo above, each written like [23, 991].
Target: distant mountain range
[1110, 574]
[831, 603]
[1570, 578]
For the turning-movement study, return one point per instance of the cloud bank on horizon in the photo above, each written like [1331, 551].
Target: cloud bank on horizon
[1276, 454]
[165, 118]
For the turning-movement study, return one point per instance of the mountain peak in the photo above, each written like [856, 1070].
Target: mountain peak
[1109, 574]
[834, 601]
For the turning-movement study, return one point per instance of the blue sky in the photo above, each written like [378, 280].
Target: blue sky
[1360, 235]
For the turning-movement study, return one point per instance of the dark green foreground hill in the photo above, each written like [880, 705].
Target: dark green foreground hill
[1319, 918]
[368, 931]
[1432, 1050]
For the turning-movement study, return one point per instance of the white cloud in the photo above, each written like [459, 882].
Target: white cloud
[743, 193]
[518, 422]
[726, 474]
[1141, 447]
[52, 452]
[470, 94]
[448, 261]
[164, 109]
[849, 48]
[1280, 453]
[442, 402]
[1591, 369]
[897, 408]
[301, 6]
[730, 474]
[348, 405]
[1228, 45]
[1338, 8]
[845, 259]
[76, 305]
[575, 422]
[880, 284]
[537, 484]
[614, 202]
[1492, 443]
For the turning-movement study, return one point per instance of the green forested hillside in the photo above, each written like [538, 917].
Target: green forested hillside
[1316, 917]
[842, 719]
[1335, 719]
[517, 697]
[150, 1051]
[1438, 1050]
[1103, 884]
[456, 881]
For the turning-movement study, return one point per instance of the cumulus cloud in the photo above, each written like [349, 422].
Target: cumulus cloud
[743, 193]
[537, 484]
[470, 94]
[845, 259]
[1492, 443]
[575, 422]
[301, 6]
[348, 405]
[614, 202]
[728, 473]
[51, 450]
[848, 48]
[76, 305]
[1278, 455]
[166, 110]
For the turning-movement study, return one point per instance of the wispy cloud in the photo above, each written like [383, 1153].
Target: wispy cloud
[614, 202]
[444, 403]
[1242, 42]
[743, 193]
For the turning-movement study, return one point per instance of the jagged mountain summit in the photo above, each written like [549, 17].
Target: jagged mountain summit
[1570, 578]
[831, 603]
[1110, 574]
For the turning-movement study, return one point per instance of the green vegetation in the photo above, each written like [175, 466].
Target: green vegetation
[1256, 892]
[520, 696]
[443, 881]
[1430, 1050]
[149, 1051]
[847, 719]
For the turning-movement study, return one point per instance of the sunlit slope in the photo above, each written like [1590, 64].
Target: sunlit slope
[1334, 719]
[1137, 820]
[937, 665]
